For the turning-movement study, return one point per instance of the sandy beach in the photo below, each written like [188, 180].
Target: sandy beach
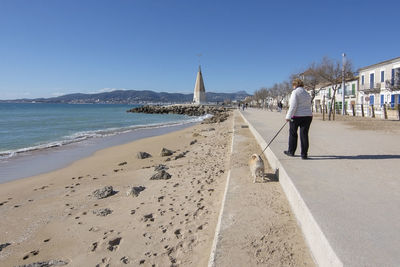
[169, 220]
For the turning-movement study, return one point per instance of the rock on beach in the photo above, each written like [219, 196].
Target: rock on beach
[166, 152]
[143, 155]
[102, 212]
[135, 191]
[161, 175]
[103, 192]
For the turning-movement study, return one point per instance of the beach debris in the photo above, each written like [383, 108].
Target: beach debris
[161, 175]
[123, 163]
[2, 246]
[102, 212]
[166, 152]
[143, 155]
[48, 263]
[160, 167]
[193, 142]
[103, 192]
[135, 191]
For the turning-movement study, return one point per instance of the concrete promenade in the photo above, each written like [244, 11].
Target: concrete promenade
[346, 198]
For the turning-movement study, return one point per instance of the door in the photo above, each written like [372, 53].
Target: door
[392, 101]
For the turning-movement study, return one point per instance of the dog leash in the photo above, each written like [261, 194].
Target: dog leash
[274, 137]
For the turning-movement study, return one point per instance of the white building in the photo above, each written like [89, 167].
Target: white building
[380, 83]
[324, 95]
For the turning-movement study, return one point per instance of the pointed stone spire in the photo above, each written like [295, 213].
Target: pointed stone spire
[199, 95]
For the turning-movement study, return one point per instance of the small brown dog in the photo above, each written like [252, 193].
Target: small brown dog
[256, 165]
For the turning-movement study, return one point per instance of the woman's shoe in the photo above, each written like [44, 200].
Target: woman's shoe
[287, 153]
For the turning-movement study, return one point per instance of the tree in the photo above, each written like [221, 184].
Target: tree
[330, 71]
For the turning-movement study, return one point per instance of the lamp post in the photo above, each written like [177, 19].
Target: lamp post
[343, 81]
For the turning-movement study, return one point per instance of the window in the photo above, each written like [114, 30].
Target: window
[382, 76]
[353, 89]
[392, 82]
[371, 81]
[362, 79]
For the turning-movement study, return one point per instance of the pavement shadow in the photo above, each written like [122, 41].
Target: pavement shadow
[271, 177]
[355, 157]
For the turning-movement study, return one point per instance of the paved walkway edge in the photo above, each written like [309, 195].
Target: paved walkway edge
[211, 261]
[320, 248]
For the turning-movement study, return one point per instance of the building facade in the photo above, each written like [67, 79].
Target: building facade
[380, 83]
[324, 96]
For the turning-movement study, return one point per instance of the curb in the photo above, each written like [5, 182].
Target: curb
[211, 261]
[321, 250]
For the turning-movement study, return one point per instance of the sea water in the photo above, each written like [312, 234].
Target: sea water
[38, 126]
[39, 138]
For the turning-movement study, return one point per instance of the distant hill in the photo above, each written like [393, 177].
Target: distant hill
[132, 97]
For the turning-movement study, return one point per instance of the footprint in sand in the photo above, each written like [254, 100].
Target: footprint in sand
[125, 260]
[93, 247]
[32, 253]
[104, 262]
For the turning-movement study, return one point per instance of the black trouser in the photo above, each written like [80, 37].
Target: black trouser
[304, 124]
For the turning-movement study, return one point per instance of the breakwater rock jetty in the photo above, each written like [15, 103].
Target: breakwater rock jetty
[219, 113]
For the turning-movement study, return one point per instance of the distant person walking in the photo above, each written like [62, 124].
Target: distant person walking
[280, 106]
[299, 115]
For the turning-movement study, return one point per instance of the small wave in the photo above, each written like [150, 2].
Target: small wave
[82, 136]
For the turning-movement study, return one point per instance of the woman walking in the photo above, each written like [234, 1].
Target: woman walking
[299, 115]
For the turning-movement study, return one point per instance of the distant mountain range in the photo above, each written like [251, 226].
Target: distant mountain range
[131, 97]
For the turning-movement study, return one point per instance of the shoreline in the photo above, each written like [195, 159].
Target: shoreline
[116, 208]
[50, 159]
[55, 216]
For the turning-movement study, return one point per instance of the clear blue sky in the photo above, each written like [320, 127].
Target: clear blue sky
[54, 47]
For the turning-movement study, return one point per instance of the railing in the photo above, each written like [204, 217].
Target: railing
[380, 111]
[375, 88]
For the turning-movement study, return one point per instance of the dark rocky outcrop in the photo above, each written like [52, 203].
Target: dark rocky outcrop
[103, 192]
[219, 113]
[219, 117]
